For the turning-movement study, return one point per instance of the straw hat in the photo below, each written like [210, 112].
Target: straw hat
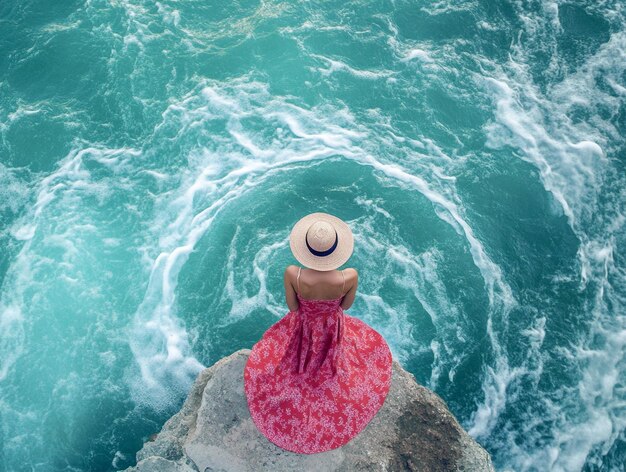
[321, 241]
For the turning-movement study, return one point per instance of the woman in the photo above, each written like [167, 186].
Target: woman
[318, 375]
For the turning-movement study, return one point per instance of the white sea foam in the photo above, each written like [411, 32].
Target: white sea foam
[417, 53]
[407, 51]
[335, 65]
[14, 191]
[11, 336]
[393, 322]
[573, 164]
[67, 232]
[422, 279]
[439, 7]
[19, 276]
[170, 15]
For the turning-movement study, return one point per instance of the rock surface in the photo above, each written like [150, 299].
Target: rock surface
[213, 432]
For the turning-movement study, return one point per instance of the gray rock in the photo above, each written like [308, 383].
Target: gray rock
[213, 432]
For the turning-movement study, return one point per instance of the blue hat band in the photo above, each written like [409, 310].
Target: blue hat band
[327, 251]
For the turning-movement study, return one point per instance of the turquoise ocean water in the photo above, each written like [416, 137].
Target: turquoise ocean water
[155, 155]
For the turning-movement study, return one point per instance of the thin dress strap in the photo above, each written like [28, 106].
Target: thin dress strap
[299, 269]
[344, 282]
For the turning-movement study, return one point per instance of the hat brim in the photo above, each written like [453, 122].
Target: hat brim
[343, 251]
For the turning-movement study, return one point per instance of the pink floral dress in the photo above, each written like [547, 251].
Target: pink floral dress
[316, 377]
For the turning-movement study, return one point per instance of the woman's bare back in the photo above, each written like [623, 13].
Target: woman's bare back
[325, 285]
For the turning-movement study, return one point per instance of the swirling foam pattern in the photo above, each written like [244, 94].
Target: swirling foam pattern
[154, 156]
